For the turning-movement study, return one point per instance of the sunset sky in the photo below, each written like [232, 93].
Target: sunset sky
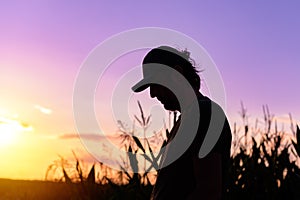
[256, 47]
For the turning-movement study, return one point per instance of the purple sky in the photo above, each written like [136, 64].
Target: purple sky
[255, 46]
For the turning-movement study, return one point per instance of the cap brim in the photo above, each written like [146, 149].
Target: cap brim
[141, 85]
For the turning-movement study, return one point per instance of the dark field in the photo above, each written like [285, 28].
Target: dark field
[21, 189]
[47, 190]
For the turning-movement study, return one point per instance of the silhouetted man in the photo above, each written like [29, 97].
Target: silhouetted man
[174, 81]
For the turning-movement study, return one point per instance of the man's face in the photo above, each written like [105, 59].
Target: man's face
[165, 96]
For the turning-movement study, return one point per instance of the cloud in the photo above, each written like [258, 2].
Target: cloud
[42, 109]
[15, 124]
[88, 136]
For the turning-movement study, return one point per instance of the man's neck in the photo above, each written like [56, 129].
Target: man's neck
[188, 101]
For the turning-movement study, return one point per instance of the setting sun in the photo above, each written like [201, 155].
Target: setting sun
[9, 130]
[8, 133]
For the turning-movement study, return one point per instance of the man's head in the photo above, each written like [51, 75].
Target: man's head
[176, 60]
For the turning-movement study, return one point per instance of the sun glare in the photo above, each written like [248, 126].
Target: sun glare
[9, 131]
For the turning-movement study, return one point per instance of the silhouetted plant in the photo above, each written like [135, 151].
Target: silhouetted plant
[267, 170]
[138, 184]
[263, 164]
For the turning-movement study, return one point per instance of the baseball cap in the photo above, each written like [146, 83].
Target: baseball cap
[163, 55]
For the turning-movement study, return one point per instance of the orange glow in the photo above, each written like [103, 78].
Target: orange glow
[10, 130]
[8, 133]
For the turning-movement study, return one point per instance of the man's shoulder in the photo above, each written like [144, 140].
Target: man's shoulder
[206, 102]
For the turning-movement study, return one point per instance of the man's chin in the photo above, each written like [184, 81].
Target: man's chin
[170, 107]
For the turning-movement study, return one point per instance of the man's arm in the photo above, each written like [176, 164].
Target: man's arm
[208, 176]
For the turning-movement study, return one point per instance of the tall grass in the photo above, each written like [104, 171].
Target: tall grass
[264, 164]
[130, 182]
